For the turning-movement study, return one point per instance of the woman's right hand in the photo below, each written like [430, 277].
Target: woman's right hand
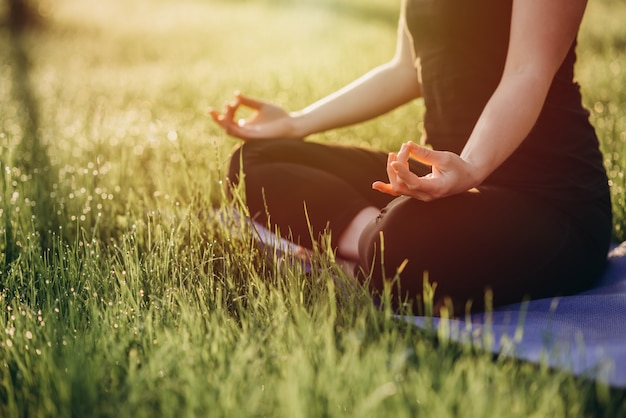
[267, 120]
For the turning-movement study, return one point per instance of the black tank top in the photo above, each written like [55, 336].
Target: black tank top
[461, 47]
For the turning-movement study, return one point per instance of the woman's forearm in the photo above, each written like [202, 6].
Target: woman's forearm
[506, 120]
[377, 92]
[382, 89]
[542, 33]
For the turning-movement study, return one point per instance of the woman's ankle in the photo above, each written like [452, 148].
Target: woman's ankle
[348, 243]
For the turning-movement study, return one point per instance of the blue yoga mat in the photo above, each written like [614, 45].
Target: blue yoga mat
[584, 334]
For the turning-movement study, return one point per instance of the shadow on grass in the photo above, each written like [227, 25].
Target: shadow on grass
[29, 155]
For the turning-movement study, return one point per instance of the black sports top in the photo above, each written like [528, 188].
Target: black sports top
[461, 47]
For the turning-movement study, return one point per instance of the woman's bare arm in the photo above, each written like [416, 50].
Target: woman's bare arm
[375, 93]
[541, 34]
[382, 89]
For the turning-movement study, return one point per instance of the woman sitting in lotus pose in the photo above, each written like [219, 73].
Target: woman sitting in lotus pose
[511, 196]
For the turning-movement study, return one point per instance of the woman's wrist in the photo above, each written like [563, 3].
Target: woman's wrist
[300, 121]
[478, 170]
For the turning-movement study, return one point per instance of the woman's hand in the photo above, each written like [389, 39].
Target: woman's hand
[267, 120]
[450, 174]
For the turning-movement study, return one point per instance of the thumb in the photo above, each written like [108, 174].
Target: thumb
[249, 101]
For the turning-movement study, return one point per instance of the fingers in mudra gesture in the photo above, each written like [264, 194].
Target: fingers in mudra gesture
[449, 175]
[266, 120]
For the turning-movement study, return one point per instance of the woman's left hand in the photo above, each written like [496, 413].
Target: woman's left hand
[450, 174]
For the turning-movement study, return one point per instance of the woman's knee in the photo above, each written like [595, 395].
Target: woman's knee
[235, 168]
[241, 161]
[247, 155]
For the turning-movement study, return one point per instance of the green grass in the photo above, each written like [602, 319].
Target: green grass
[118, 298]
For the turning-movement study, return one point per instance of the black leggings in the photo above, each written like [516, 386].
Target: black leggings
[514, 244]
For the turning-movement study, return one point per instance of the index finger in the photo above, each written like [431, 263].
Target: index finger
[404, 153]
[231, 109]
